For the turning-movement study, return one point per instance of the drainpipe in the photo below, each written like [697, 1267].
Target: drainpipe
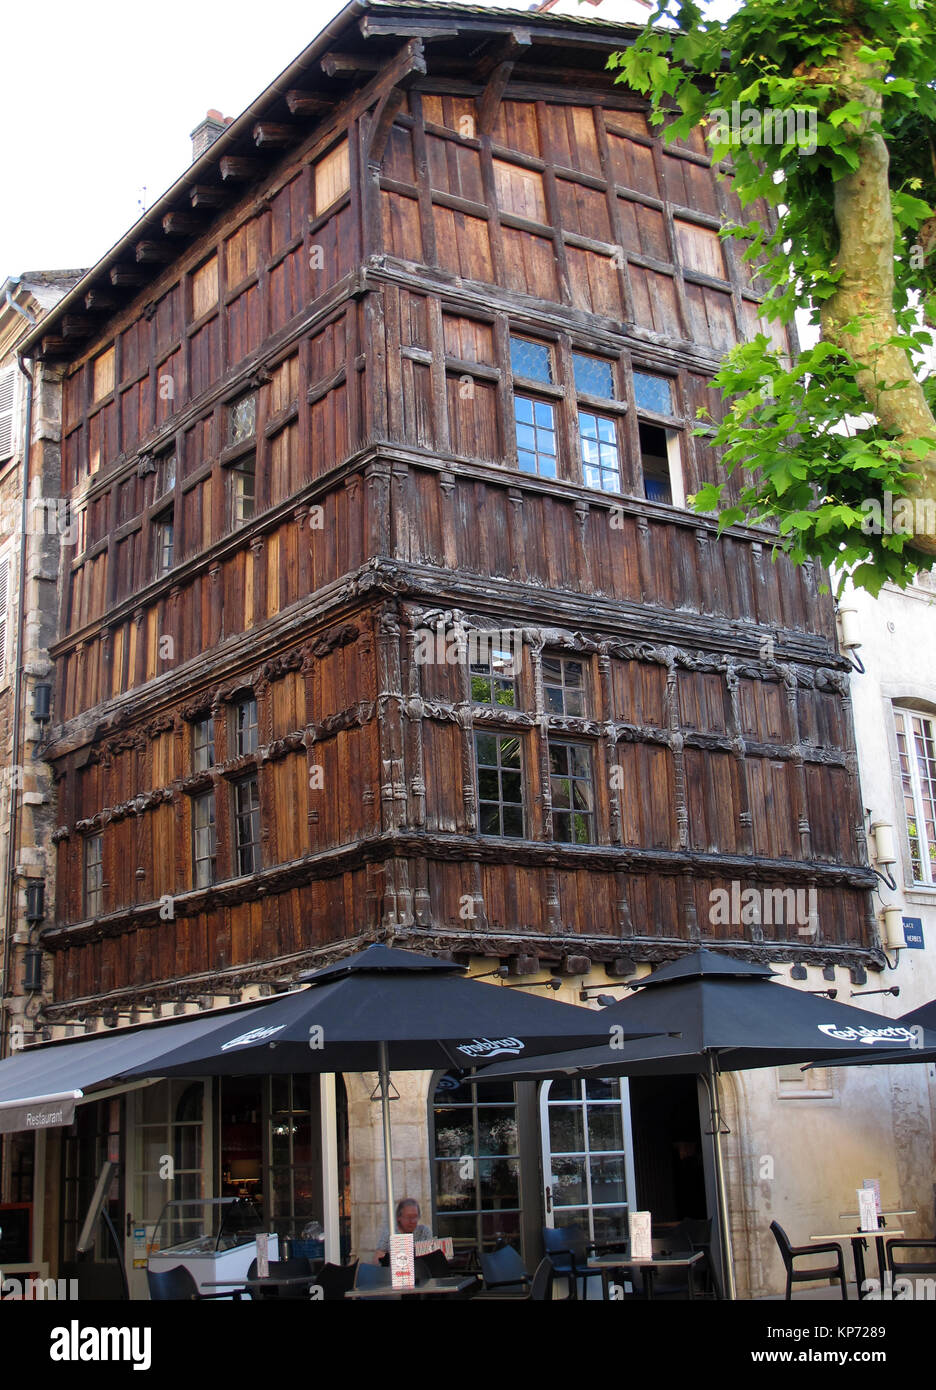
[18, 678]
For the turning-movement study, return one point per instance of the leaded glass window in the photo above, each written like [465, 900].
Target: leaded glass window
[242, 419]
[653, 393]
[531, 360]
[594, 376]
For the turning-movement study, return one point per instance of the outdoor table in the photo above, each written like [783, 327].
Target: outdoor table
[426, 1288]
[648, 1267]
[271, 1282]
[858, 1239]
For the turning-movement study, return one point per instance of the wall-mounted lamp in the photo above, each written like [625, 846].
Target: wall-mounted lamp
[825, 993]
[893, 989]
[501, 970]
[849, 636]
[42, 702]
[884, 843]
[536, 984]
[603, 999]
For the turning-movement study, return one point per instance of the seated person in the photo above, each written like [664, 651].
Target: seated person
[407, 1223]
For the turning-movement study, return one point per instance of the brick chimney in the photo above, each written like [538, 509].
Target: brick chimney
[207, 132]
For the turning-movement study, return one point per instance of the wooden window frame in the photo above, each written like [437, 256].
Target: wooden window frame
[571, 811]
[92, 884]
[250, 819]
[500, 735]
[207, 746]
[565, 660]
[204, 799]
[241, 736]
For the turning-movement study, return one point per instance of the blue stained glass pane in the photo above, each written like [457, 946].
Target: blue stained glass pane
[526, 462]
[532, 360]
[544, 415]
[593, 376]
[523, 409]
[547, 443]
[526, 436]
[588, 424]
[653, 393]
[547, 467]
[606, 430]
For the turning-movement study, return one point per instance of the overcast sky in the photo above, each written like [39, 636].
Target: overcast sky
[98, 100]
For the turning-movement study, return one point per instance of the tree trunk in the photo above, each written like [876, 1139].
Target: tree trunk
[866, 295]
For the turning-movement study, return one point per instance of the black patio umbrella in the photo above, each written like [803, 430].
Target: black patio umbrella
[384, 1009]
[730, 1015]
[921, 1022]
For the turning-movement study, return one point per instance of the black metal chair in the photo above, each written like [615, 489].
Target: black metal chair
[335, 1281]
[540, 1288]
[901, 1269]
[790, 1253]
[568, 1248]
[504, 1274]
[699, 1234]
[178, 1285]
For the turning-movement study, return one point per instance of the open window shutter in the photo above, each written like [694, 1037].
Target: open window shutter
[4, 601]
[7, 404]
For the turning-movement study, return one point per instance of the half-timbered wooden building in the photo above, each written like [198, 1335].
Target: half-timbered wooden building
[386, 614]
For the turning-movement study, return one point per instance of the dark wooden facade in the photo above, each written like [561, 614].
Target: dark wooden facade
[290, 447]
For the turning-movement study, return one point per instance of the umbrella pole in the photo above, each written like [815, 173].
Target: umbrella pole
[722, 1192]
[388, 1150]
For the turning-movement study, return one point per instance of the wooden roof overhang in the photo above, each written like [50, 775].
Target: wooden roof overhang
[377, 45]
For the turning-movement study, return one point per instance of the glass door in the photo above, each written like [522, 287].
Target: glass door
[169, 1158]
[588, 1157]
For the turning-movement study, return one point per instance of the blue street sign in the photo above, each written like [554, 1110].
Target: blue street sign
[913, 933]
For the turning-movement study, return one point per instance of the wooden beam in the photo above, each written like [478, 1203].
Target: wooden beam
[204, 196]
[234, 169]
[498, 76]
[421, 28]
[78, 326]
[126, 275]
[100, 299]
[54, 346]
[306, 103]
[270, 135]
[348, 64]
[181, 224]
[408, 63]
[381, 122]
[153, 253]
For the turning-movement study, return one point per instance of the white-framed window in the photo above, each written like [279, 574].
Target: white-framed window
[815, 1084]
[916, 751]
[8, 393]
